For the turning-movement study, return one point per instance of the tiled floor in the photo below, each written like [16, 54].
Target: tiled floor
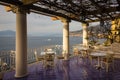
[74, 69]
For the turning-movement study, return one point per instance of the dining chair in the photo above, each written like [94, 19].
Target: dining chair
[59, 62]
[75, 51]
[60, 57]
[108, 61]
[89, 51]
[84, 53]
[49, 60]
[38, 58]
[92, 59]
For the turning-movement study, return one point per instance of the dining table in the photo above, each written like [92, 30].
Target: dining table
[99, 56]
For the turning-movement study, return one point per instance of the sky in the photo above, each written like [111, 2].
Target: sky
[36, 23]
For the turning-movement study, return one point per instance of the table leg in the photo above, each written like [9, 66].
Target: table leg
[99, 65]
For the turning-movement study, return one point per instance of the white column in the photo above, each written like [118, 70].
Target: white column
[21, 44]
[85, 34]
[66, 39]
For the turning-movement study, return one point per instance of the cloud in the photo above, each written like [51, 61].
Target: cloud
[7, 20]
[75, 26]
[35, 23]
[44, 24]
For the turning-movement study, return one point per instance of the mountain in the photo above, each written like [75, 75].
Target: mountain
[7, 33]
[47, 34]
[94, 29]
[10, 33]
[76, 33]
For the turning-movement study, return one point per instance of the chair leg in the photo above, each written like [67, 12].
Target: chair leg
[90, 59]
[113, 66]
[107, 67]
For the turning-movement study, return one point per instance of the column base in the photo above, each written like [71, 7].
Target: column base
[66, 56]
[21, 76]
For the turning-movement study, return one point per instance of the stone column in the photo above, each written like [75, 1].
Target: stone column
[85, 34]
[65, 38]
[21, 43]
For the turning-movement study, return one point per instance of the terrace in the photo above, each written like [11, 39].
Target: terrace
[78, 67]
[84, 11]
[74, 69]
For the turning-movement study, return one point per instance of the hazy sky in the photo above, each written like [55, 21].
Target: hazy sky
[36, 23]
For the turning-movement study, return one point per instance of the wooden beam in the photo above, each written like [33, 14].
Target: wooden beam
[97, 20]
[101, 8]
[118, 1]
[75, 16]
[54, 5]
[9, 2]
[98, 17]
[39, 9]
[8, 9]
[28, 2]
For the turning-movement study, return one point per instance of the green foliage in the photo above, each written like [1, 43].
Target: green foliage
[108, 42]
[92, 42]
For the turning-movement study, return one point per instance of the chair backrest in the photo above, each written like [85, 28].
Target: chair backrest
[90, 50]
[76, 51]
[109, 57]
[60, 57]
[49, 50]
[49, 57]
[38, 58]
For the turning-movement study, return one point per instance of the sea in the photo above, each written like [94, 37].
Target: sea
[8, 43]
[34, 44]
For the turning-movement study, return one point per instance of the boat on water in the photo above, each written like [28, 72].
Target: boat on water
[48, 39]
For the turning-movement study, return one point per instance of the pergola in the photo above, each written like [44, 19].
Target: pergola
[84, 11]
[78, 10]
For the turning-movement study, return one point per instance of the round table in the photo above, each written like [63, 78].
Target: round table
[99, 55]
[48, 52]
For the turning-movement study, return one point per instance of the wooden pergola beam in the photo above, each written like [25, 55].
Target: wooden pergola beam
[58, 7]
[9, 2]
[118, 2]
[38, 9]
[28, 2]
[75, 10]
[97, 20]
[101, 9]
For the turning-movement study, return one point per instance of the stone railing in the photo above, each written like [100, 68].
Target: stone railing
[7, 57]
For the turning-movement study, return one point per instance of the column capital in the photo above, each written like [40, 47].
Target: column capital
[16, 9]
[85, 24]
[64, 20]
[21, 10]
